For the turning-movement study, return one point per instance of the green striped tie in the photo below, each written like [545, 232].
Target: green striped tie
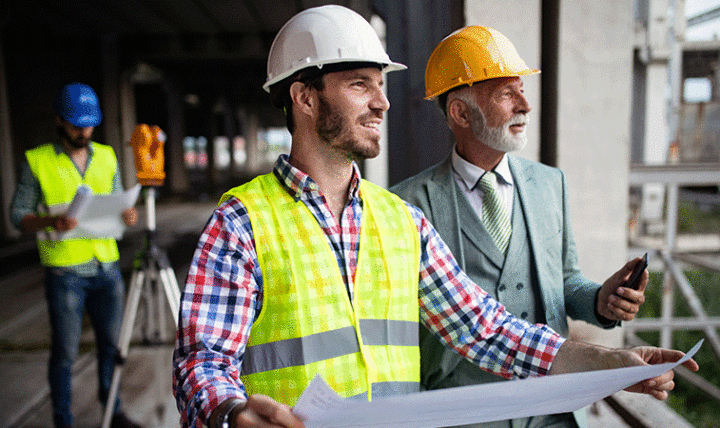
[494, 215]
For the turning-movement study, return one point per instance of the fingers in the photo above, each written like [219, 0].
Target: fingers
[658, 386]
[625, 303]
[620, 303]
[262, 411]
[63, 224]
[130, 216]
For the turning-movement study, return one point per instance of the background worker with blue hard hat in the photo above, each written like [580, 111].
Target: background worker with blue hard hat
[80, 273]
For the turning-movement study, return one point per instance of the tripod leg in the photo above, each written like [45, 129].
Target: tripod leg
[129, 315]
[172, 291]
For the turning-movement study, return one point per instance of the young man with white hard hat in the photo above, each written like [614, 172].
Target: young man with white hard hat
[310, 270]
[531, 268]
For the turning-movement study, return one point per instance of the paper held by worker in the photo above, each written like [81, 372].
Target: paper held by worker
[319, 406]
[99, 216]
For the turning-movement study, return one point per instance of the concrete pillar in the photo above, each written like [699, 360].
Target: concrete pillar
[376, 169]
[175, 170]
[110, 97]
[418, 136]
[254, 161]
[128, 121]
[7, 161]
[595, 74]
[657, 133]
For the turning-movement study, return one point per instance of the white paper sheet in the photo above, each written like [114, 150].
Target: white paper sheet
[319, 406]
[98, 216]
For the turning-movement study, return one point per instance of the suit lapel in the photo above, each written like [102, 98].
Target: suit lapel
[531, 206]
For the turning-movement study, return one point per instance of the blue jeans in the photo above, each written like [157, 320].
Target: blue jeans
[68, 296]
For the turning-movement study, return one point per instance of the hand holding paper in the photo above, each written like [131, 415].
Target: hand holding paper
[319, 406]
[660, 385]
[101, 216]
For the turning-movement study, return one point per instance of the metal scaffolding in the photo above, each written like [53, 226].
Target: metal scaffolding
[673, 177]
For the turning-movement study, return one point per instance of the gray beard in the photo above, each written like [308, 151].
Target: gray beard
[499, 138]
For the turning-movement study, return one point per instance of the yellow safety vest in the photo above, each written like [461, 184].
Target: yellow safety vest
[59, 180]
[307, 325]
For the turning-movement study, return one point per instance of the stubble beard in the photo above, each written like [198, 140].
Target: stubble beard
[76, 143]
[335, 130]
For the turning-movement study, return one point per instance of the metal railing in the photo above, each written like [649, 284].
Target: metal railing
[674, 279]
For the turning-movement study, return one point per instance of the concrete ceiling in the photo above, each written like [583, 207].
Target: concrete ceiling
[162, 17]
[202, 43]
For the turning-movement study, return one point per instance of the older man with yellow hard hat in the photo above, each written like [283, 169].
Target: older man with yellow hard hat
[505, 218]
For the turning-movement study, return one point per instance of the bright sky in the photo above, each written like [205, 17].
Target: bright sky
[699, 90]
[707, 30]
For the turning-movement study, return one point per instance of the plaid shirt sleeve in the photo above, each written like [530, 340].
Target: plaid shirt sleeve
[470, 321]
[219, 304]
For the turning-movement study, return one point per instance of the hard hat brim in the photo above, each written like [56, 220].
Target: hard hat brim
[527, 72]
[387, 66]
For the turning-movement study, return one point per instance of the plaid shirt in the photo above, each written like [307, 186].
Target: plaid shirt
[224, 292]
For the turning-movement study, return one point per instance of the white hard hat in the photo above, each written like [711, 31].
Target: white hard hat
[324, 35]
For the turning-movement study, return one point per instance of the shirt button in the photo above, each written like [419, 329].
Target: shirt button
[519, 286]
[524, 315]
[501, 288]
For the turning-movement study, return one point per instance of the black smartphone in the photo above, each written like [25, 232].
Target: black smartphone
[634, 281]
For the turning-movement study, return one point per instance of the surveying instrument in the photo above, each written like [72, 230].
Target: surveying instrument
[152, 274]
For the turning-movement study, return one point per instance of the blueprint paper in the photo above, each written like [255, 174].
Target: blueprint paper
[320, 407]
[98, 216]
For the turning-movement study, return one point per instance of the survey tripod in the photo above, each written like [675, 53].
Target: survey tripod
[152, 277]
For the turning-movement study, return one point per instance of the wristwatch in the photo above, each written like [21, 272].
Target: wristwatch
[222, 415]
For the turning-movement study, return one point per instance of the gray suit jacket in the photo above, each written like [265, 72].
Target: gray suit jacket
[564, 291]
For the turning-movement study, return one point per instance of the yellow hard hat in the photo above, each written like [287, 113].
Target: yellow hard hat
[470, 55]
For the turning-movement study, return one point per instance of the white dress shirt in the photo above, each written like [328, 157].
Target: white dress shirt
[467, 176]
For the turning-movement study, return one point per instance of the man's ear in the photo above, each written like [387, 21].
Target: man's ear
[301, 96]
[459, 113]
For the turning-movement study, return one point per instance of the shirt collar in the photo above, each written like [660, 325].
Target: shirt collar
[298, 183]
[470, 173]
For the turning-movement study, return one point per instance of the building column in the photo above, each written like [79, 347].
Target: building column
[7, 161]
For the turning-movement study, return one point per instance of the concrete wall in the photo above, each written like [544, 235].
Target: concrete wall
[595, 73]
[593, 142]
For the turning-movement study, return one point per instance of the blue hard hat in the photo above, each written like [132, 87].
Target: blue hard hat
[78, 104]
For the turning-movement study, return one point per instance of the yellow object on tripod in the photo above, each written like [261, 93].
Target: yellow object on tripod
[147, 143]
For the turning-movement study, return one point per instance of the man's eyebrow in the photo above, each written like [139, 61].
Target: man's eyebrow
[357, 74]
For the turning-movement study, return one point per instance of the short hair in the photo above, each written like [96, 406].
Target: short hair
[459, 93]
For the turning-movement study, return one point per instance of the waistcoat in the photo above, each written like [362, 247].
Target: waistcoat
[515, 287]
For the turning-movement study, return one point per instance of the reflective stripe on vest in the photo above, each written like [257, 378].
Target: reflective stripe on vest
[59, 178]
[322, 346]
[307, 325]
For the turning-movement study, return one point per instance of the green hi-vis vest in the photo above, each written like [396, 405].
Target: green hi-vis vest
[307, 325]
[59, 180]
